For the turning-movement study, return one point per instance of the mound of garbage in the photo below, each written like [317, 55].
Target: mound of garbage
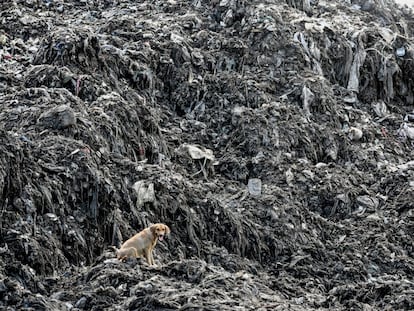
[275, 138]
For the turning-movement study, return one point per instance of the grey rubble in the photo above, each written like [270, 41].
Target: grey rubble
[275, 138]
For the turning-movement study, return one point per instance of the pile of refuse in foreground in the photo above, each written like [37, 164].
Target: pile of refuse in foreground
[275, 138]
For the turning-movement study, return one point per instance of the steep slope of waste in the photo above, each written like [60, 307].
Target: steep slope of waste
[275, 138]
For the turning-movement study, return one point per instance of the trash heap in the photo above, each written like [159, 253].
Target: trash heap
[275, 138]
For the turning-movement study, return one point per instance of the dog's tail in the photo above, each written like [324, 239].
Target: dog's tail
[116, 250]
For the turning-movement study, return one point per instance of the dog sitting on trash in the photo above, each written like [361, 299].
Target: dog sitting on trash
[142, 244]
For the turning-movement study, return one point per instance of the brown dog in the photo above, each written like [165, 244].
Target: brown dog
[142, 244]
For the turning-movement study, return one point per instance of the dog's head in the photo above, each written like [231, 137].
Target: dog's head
[160, 230]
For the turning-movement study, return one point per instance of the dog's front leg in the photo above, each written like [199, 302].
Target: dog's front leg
[147, 254]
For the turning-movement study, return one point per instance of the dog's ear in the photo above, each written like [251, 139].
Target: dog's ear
[167, 229]
[153, 228]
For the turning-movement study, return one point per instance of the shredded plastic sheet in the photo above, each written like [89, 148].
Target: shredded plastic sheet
[275, 138]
